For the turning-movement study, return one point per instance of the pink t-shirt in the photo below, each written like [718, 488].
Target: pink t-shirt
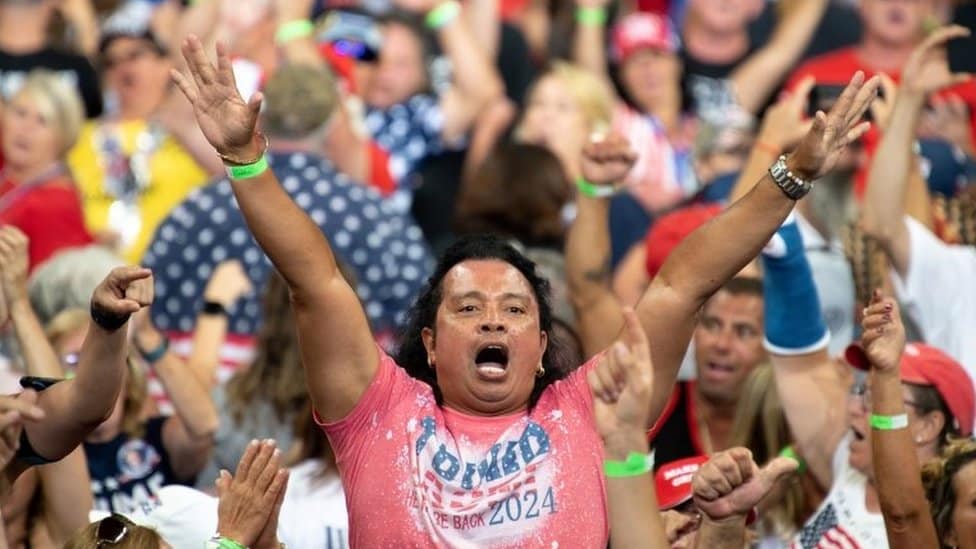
[420, 475]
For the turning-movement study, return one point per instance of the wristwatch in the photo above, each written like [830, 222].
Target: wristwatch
[792, 186]
[212, 308]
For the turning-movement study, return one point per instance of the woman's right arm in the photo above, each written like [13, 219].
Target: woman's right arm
[337, 347]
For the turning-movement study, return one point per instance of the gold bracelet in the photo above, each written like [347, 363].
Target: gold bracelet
[236, 162]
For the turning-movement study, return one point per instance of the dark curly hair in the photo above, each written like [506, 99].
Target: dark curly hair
[938, 477]
[412, 355]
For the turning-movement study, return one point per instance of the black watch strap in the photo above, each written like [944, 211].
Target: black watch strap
[212, 308]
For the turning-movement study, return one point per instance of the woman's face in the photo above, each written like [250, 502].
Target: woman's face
[487, 344]
[652, 79]
[30, 140]
[554, 119]
[136, 72]
[963, 533]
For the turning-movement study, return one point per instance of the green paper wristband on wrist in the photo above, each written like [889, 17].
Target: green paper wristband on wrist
[591, 16]
[594, 191]
[635, 466]
[889, 423]
[227, 543]
[442, 15]
[248, 171]
[292, 30]
[789, 452]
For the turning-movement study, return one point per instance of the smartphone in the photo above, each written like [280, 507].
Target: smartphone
[823, 96]
[38, 383]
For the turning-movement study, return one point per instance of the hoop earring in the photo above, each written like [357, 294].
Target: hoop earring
[541, 371]
[430, 362]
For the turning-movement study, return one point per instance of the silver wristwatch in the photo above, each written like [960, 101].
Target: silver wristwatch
[792, 186]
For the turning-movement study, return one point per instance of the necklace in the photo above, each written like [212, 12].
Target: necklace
[126, 177]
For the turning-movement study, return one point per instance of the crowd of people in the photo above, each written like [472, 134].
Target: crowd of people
[487, 273]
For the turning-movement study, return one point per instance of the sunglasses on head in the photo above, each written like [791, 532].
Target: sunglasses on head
[111, 530]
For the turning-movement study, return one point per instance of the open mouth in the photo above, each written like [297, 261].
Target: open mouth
[491, 360]
[719, 370]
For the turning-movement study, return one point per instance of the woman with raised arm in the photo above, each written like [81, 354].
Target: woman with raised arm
[896, 468]
[469, 437]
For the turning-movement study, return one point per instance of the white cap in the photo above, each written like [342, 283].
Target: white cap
[184, 517]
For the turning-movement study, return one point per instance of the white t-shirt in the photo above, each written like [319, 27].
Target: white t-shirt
[834, 280]
[313, 513]
[939, 292]
[842, 520]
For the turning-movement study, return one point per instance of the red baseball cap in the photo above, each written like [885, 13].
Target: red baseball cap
[927, 366]
[673, 481]
[671, 229]
[642, 30]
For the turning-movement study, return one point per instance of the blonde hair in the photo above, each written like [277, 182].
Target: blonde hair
[57, 102]
[761, 426]
[137, 537]
[594, 97]
[66, 322]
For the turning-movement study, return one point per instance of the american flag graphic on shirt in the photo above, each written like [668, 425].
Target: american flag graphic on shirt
[825, 533]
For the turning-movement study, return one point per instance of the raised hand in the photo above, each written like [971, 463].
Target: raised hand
[606, 160]
[830, 133]
[623, 382]
[882, 107]
[13, 263]
[927, 69]
[225, 119]
[227, 284]
[124, 291]
[783, 125]
[730, 484]
[248, 498]
[948, 119]
[883, 338]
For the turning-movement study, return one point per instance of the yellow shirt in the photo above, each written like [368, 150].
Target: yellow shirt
[172, 174]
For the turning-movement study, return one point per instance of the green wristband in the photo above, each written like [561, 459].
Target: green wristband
[248, 171]
[635, 466]
[889, 423]
[442, 15]
[789, 452]
[594, 191]
[292, 30]
[591, 16]
[227, 543]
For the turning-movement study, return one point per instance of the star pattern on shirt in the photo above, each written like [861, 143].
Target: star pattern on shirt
[384, 248]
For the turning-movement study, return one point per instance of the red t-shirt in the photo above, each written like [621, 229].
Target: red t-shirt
[49, 214]
[837, 68]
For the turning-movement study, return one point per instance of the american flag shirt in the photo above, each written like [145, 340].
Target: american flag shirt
[843, 521]
[384, 248]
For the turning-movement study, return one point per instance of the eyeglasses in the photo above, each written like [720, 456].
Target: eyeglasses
[863, 392]
[111, 530]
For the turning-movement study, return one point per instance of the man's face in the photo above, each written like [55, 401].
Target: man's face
[896, 23]
[724, 16]
[399, 72]
[487, 344]
[728, 344]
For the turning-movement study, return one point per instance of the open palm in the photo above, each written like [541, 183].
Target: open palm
[830, 134]
[927, 70]
[227, 121]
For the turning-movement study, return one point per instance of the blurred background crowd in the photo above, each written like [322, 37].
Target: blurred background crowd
[400, 125]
